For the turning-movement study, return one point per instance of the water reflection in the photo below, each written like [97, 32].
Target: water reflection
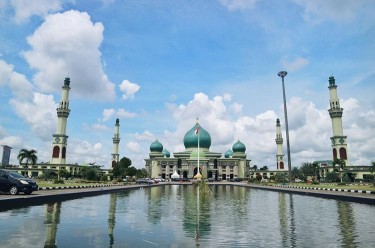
[178, 216]
[51, 220]
[347, 224]
[112, 218]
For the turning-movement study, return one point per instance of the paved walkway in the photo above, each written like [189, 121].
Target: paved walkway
[49, 195]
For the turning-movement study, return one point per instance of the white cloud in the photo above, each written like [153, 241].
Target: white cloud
[126, 114]
[108, 113]
[294, 65]
[24, 9]
[133, 147]
[233, 5]
[67, 44]
[338, 11]
[128, 89]
[145, 136]
[39, 114]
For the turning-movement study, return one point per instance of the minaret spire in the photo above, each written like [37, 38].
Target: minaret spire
[116, 141]
[338, 140]
[59, 140]
[279, 143]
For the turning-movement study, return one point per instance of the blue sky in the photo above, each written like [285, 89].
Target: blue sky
[157, 65]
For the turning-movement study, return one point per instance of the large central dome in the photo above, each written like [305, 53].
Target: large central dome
[191, 139]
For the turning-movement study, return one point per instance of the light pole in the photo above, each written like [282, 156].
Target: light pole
[282, 74]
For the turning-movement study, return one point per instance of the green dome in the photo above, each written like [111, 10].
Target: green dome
[194, 154]
[166, 153]
[228, 153]
[156, 146]
[239, 147]
[191, 139]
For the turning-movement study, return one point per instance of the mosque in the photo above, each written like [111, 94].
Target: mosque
[197, 141]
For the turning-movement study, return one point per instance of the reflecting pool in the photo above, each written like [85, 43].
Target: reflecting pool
[176, 216]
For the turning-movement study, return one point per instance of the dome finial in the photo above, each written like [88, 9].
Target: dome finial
[197, 120]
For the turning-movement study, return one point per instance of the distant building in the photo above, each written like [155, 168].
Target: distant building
[6, 155]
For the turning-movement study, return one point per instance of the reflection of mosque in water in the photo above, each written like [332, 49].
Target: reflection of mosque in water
[51, 220]
[233, 164]
[347, 224]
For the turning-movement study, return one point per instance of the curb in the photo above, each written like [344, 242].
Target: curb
[327, 189]
[79, 187]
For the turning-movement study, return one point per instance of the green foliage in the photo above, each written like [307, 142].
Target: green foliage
[332, 177]
[104, 178]
[120, 168]
[131, 171]
[258, 177]
[309, 169]
[64, 173]
[28, 155]
[58, 181]
[92, 174]
[264, 168]
[48, 174]
[253, 180]
[142, 173]
[340, 163]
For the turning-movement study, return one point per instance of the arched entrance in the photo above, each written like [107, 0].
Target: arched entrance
[209, 175]
[185, 174]
[196, 170]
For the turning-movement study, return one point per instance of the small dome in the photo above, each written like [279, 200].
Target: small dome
[166, 153]
[156, 146]
[228, 153]
[239, 147]
[194, 154]
[191, 139]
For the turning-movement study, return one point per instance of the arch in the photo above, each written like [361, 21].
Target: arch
[209, 175]
[196, 170]
[281, 165]
[185, 174]
[56, 152]
[342, 152]
[334, 154]
[113, 163]
[63, 152]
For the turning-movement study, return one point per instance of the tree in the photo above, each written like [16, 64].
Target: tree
[120, 168]
[29, 156]
[264, 168]
[131, 171]
[310, 169]
[63, 173]
[142, 173]
[341, 163]
[332, 177]
[254, 168]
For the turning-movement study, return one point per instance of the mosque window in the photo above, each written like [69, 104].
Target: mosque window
[334, 154]
[56, 152]
[63, 152]
[215, 164]
[281, 165]
[343, 153]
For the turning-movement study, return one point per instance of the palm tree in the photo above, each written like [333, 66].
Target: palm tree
[341, 163]
[29, 156]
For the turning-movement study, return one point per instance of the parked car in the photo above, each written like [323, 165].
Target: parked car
[144, 181]
[14, 183]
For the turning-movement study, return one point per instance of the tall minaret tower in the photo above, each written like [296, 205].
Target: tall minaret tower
[116, 141]
[279, 143]
[59, 140]
[339, 144]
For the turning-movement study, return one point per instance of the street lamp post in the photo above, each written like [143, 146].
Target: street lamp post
[282, 74]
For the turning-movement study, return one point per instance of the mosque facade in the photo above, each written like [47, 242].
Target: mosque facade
[198, 159]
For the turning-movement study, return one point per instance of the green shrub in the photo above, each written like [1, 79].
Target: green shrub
[58, 181]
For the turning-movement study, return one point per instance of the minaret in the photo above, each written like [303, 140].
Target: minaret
[279, 143]
[338, 140]
[116, 141]
[59, 140]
